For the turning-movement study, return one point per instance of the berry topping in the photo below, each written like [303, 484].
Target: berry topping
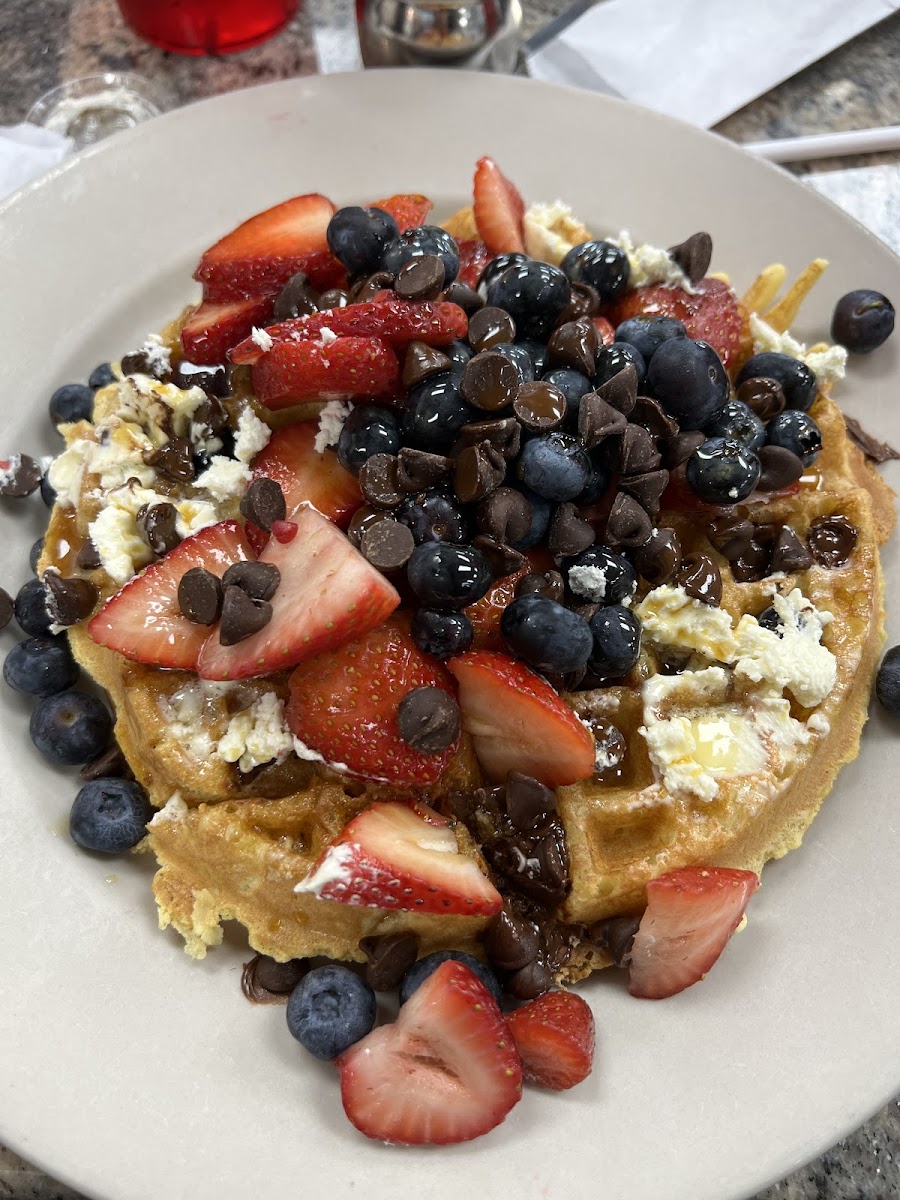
[534, 294]
[554, 1036]
[648, 333]
[615, 358]
[110, 815]
[862, 320]
[602, 266]
[330, 1010]
[71, 402]
[722, 471]
[554, 466]
[31, 610]
[550, 638]
[369, 430]
[305, 474]
[446, 576]
[435, 413]
[797, 380]
[293, 372]
[358, 238]
[70, 727]
[215, 327]
[795, 431]
[426, 967]
[737, 423]
[689, 381]
[616, 633]
[40, 666]
[408, 209]
[712, 313]
[887, 682]
[441, 633]
[498, 208]
[414, 243]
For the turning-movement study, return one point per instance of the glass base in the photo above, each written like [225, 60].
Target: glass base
[96, 106]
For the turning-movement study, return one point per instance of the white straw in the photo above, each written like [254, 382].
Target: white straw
[828, 145]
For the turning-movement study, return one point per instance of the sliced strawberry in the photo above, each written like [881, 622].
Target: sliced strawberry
[256, 537]
[499, 209]
[212, 329]
[391, 857]
[518, 721]
[605, 330]
[293, 372]
[554, 1036]
[712, 315]
[393, 320]
[691, 913]
[345, 705]
[473, 258]
[263, 252]
[305, 474]
[485, 613]
[408, 210]
[446, 1070]
[144, 621]
[328, 594]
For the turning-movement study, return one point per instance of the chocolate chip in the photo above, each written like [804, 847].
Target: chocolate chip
[263, 503]
[764, 397]
[731, 534]
[549, 584]
[780, 468]
[831, 541]
[628, 524]
[502, 559]
[174, 459]
[111, 764]
[422, 361]
[700, 578]
[536, 865]
[141, 363]
[751, 564]
[574, 345]
[387, 545]
[333, 298]
[241, 616]
[428, 719]
[369, 287]
[479, 470]
[871, 447]
[211, 415]
[616, 935]
[652, 416]
[765, 533]
[504, 435]
[679, 448]
[528, 801]
[584, 302]
[296, 299]
[569, 534]
[510, 942]
[505, 515]
[633, 452]
[597, 419]
[258, 579]
[389, 958]
[20, 477]
[7, 608]
[659, 559]
[265, 981]
[158, 523]
[464, 297]
[489, 382]
[88, 557]
[378, 481]
[610, 743]
[69, 600]
[417, 469]
[693, 255]
[420, 278]
[364, 518]
[647, 490]
[200, 596]
[531, 981]
[621, 390]
[788, 552]
[540, 406]
[490, 327]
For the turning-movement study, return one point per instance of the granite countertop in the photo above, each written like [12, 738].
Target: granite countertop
[44, 42]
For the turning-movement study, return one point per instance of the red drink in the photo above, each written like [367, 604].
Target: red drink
[207, 26]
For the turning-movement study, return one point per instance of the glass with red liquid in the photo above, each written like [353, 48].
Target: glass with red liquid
[207, 26]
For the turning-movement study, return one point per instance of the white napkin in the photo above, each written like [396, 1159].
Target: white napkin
[700, 59]
[27, 151]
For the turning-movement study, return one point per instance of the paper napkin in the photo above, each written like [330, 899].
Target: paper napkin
[27, 151]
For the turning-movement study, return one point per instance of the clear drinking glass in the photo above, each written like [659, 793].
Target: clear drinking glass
[95, 106]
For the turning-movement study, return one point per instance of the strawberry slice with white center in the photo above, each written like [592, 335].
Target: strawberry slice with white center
[394, 858]
[691, 913]
[305, 474]
[409, 210]
[518, 722]
[328, 593]
[446, 1071]
[262, 253]
[144, 621]
[499, 209]
[348, 367]
[213, 329]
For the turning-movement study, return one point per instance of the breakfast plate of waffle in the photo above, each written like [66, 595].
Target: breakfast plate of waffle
[458, 584]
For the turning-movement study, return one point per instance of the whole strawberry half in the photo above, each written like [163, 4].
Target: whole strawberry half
[214, 328]
[555, 1039]
[306, 474]
[409, 210]
[499, 209]
[395, 858]
[294, 372]
[712, 315]
[344, 705]
[691, 913]
[445, 1071]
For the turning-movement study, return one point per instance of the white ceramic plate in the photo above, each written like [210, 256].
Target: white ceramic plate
[134, 1073]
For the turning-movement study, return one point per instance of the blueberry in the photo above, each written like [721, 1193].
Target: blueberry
[71, 727]
[435, 413]
[71, 402]
[598, 575]
[534, 294]
[722, 471]
[612, 359]
[459, 353]
[31, 609]
[548, 636]
[541, 512]
[358, 238]
[427, 239]
[329, 1010]
[555, 466]
[738, 423]
[647, 334]
[862, 320]
[887, 682]
[601, 265]
[40, 667]
[538, 351]
[434, 516]
[445, 576]
[617, 641]
[688, 380]
[597, 484]
[442, 634]
[110, 815]
[48, 494]
[796, 431]
[496, 267]
[34, 555]
[573, 386]
[101, 376]
[798, 381]
[520, 359]
[769, 619]
[420, 971]
[369, 429]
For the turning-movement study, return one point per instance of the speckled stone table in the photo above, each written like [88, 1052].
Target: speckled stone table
[43, 42]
